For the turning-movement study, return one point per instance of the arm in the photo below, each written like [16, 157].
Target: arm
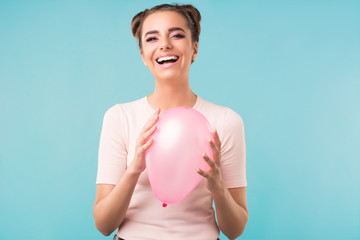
[230, 204]
[231, 211]
[112, 201]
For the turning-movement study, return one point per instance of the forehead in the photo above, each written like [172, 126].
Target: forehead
[163, 20]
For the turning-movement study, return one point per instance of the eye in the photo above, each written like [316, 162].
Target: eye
[150, 39]
[178, 35]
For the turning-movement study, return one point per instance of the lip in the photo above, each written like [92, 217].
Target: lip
[166, 65]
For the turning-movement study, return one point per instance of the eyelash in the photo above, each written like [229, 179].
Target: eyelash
[179, 36]
[150, 39]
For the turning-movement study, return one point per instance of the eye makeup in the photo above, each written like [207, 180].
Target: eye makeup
[174, 33]
[177, 35]
[150, 39]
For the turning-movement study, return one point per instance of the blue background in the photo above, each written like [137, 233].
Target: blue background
[291, 69]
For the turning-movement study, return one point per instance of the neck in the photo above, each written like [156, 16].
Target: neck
[171, 94]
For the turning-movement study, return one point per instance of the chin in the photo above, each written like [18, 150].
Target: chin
[168, 76]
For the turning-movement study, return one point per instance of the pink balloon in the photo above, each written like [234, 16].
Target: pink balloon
[172, 161]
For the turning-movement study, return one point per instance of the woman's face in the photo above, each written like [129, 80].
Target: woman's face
[167, 47]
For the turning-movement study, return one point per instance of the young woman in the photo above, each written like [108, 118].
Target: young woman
[168, 38]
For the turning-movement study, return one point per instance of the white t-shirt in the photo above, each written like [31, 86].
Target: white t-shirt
[191, 218]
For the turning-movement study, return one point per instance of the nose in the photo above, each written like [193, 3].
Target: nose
[165, 44]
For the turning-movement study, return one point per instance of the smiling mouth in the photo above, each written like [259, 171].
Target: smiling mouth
[167, 59]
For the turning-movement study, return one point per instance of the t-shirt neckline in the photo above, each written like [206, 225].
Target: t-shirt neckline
[150, 110]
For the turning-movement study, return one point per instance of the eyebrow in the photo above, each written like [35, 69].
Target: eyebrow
[170, 30]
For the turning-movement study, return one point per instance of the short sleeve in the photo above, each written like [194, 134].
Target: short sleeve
[233, 153]
[112, 149]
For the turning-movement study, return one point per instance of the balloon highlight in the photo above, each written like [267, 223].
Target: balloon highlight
[175, 155]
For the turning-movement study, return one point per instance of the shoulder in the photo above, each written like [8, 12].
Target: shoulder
[123, 109]
[221, 114]
[133, 104]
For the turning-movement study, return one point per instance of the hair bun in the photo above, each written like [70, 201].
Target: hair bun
[136, 22]
[195, 16]
[194, 13]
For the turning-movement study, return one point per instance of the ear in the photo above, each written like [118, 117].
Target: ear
[143, 58]
[195, 46]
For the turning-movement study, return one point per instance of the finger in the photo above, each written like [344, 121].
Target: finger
[208, 160]
[142, 138]
[147, 134]
[203, 173]
[151, 121]
[217, 140]
[216, 151]
[144, 147]
[213, 146]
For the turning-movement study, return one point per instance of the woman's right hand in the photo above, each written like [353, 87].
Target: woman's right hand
[143, 143]
[112, 201]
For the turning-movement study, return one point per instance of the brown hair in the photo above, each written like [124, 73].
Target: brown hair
[191, 14]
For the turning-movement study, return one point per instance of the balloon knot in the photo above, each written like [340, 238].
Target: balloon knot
[164, 205]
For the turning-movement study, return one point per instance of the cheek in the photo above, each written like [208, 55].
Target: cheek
[189, 50]
[146, 58]
[148, 52]
[190, 54]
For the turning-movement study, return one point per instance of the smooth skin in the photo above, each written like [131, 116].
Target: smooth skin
[230, 203]
[112, 201]
[166, 32]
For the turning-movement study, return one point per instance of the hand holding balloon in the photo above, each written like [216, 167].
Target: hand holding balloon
[214, 181]
[143, 143]
[176, 153]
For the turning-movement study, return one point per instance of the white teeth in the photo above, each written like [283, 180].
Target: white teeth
[167, 58]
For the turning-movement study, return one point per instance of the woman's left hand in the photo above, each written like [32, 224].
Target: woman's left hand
[214, 181]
